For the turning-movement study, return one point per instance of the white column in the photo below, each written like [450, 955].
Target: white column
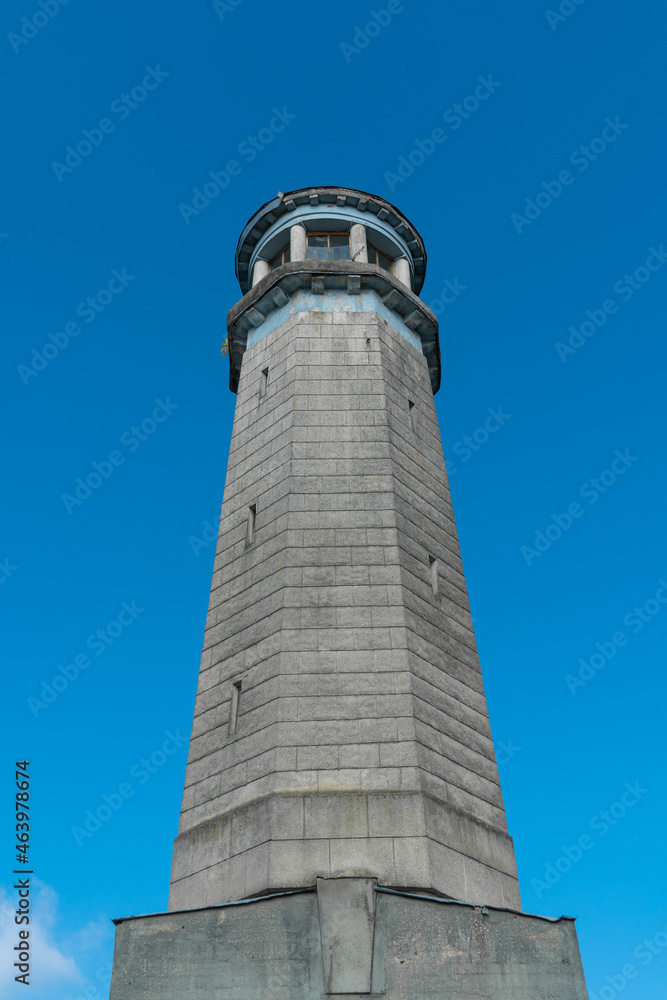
[358, 244]
[259, 271]
[297, 242]
[402, 271]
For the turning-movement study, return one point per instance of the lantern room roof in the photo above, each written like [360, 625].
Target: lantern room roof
[310, 206]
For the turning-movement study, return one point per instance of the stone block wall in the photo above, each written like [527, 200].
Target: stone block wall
[362, 745]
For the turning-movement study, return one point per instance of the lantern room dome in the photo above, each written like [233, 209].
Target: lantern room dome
[327, 215]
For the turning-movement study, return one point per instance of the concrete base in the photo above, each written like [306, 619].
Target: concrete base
[348, 938]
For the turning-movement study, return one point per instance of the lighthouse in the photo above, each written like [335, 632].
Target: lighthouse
[342, 829]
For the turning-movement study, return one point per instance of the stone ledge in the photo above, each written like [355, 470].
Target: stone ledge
[276, 288]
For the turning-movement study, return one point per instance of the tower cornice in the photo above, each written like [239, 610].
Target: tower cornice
[279, 289]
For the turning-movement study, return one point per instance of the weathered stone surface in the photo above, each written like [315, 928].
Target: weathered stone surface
[273, 948]
[346, 909]
[363, 744]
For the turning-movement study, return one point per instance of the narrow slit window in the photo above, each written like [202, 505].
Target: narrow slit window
[234, 707]
[433, 565]
[263, 383]
[252, 518]
[413, 415]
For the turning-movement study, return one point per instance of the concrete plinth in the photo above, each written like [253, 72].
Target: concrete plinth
[301, 947]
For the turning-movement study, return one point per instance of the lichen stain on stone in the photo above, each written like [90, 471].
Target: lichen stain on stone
[448, 953]
[548, 934]
[154, 927]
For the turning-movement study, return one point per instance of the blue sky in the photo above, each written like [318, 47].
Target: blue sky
[541, 207]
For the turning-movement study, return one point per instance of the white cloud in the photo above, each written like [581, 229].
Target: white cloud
[59, 960]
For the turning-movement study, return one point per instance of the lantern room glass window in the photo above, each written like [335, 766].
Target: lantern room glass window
[282, 257]
[328, 246]
[376, 256]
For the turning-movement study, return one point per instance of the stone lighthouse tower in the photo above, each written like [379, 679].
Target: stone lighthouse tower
[342, 829]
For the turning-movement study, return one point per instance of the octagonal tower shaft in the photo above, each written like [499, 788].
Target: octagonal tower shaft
[340, 722]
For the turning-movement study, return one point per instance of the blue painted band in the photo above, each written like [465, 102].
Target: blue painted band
[367, 301]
